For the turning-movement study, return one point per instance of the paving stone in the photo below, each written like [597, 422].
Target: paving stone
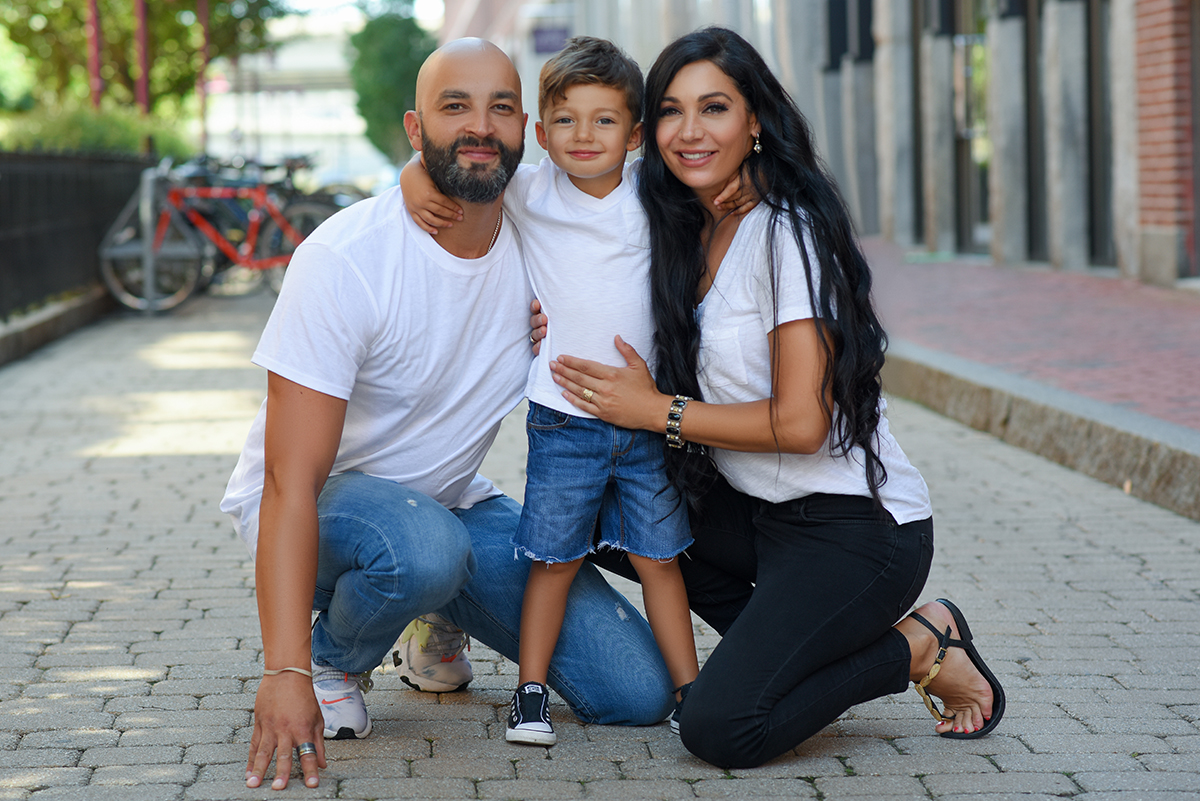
[151, 792]
[1096, 744]
[145, 774]
[183, 737]
[1155, 781]
[238, 791]
[42, 777]
[543, 789]
[475, 769]
[919, 765]
[869, 786]
[39, 758]
[1066, 763]
[740, 788]
[1013, 783]
[407, 788]
[631, 788]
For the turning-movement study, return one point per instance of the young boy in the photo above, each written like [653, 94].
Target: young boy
[587, 253]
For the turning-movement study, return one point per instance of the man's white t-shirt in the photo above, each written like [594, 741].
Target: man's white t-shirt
[736, 317]
[588, 259]
[430, 351]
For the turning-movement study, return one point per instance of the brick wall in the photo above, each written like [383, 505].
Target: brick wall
[1164, 85]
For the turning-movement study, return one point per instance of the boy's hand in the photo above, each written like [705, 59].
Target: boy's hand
[738, 197]
[537, 322]
[429, 208]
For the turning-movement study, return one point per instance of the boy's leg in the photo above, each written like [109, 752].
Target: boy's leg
[667, 608]
[606, 665]
[386, 555]
[542, 612]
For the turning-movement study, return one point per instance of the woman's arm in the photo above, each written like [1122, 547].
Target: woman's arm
[303, 430]
[627, 397]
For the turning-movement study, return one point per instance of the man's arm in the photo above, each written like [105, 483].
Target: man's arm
[303, 430]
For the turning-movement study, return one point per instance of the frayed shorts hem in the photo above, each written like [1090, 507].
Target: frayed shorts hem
[603, 545]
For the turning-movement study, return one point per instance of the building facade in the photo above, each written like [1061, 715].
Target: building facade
[1052, 131]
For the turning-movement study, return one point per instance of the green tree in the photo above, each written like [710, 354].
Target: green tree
[388, 52]
[54, 35]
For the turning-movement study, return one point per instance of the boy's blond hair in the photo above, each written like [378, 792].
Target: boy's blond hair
[588, 60]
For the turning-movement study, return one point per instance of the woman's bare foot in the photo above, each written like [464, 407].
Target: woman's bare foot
[965, 693]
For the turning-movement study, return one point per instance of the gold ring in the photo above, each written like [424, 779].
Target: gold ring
[532, 341]
[586, 395]
[304, 749]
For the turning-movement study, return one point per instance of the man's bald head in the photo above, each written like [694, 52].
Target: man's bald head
[468, 124]
[454, 60]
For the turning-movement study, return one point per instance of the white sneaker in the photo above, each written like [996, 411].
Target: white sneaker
[340, 696]
[430, 655]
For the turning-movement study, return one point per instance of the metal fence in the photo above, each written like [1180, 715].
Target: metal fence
[54, 210]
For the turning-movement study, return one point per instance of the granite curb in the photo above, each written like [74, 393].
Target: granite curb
[1148, 458]
[25, 334]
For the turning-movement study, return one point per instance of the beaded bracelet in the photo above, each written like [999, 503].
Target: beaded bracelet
[301, 671]
[674, 417]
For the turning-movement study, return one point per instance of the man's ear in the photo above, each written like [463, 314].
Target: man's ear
[412, 127]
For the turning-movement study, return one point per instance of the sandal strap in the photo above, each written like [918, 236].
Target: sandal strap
[944, 638]
[945, 641]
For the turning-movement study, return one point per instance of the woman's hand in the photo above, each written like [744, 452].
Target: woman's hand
[428, 207]
[285, 715]
[537, 321]
[624, 396]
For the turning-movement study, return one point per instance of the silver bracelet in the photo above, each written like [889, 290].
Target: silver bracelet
[674, 418]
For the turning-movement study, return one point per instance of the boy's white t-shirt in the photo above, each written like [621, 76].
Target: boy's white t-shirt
[429, 350]
[589, 262]
[736, 317]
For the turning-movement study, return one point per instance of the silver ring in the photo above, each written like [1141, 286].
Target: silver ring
[304, 749]
[586, 395]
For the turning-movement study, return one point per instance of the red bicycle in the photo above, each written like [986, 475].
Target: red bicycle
[200, 231]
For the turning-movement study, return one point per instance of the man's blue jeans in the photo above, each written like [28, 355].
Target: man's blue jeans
[388, 554]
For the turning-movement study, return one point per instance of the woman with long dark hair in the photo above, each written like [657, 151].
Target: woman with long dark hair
[814, 533]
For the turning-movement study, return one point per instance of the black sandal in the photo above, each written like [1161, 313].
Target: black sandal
[946, 641]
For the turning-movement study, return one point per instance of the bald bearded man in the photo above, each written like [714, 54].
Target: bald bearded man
[392, 357]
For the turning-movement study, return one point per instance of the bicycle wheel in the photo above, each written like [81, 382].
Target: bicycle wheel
[304, 216]
[177, 264]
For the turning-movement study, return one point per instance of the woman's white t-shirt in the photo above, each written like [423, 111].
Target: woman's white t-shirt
[736, 317]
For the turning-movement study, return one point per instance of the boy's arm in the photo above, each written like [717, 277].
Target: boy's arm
[429, 208]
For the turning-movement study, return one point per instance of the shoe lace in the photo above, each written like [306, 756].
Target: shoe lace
[363, 680]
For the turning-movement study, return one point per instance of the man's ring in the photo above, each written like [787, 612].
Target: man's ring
[586, 395]
[305, 749]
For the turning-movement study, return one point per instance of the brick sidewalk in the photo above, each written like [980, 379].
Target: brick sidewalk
[1113, 340]
[129, 647]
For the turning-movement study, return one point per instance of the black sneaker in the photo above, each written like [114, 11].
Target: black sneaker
[683, 692]
[529, 720]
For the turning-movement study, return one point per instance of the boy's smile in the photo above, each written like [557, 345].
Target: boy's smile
[587, 134]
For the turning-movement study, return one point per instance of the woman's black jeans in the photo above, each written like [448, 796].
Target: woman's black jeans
[804, 594]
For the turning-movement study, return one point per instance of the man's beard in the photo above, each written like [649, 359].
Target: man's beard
[477, 183]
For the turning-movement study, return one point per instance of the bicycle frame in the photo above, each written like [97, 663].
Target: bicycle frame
[177, 198]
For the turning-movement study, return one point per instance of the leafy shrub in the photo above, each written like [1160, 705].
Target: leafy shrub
[83, 128]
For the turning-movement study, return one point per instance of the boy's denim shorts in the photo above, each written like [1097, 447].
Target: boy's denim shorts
[582, 471]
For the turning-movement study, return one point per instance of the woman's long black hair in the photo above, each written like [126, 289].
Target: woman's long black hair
[802, 197]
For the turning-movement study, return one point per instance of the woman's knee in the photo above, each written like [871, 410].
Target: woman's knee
[721, 735]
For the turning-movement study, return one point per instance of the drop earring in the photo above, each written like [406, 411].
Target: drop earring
[757, 144]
